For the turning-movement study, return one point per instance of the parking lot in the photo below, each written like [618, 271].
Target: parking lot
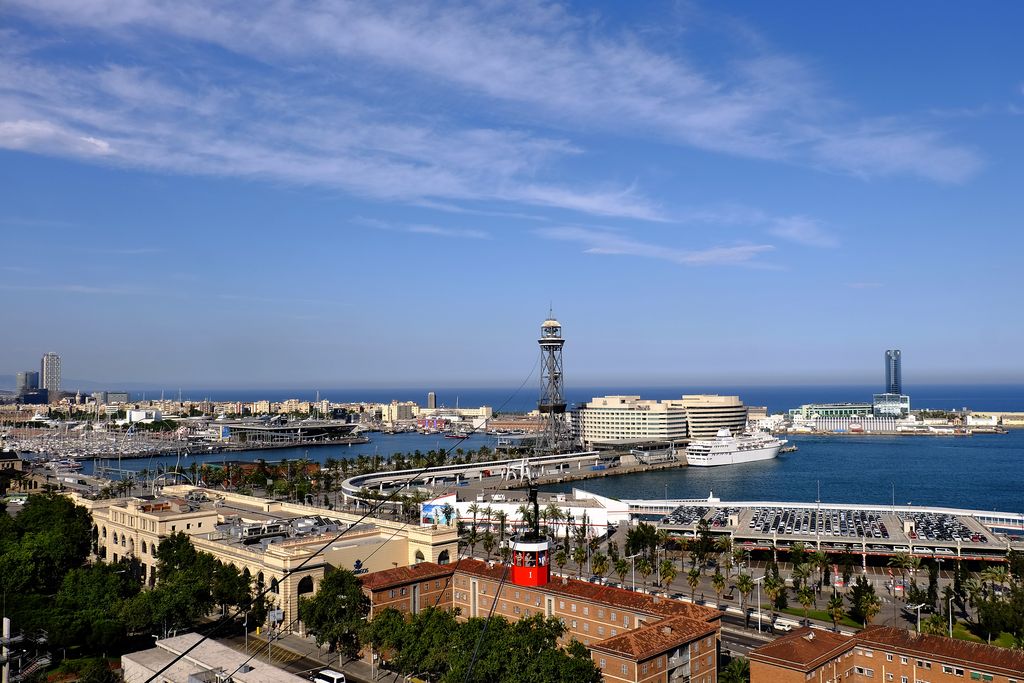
[842, 528]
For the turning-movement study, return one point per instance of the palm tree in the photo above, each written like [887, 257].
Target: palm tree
[900, 562]
[693, 578]
[554, 514]
[579, 556]
[745, 585]
[872, 606]
[668, 572]
[643, 566]
[502, 518]
[773, 587]
[914, 565]
[836, 609]
[805, 596]
[819, 560]
[561, 559]
[972, 589]
[489, 543]
[599, 565]
[736, 671]
[472, 538]
[724, 546]
[800, 574]
[622, 567]
[995, 576]
[718, 581]
[474, 510]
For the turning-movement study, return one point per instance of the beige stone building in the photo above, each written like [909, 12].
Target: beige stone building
[286, 547]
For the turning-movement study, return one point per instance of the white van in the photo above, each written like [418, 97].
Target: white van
[329, 676]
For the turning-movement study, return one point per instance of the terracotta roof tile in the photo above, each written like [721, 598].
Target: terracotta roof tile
[401, 576]
[608, 595]
[803, 648]
[654, 639]
[990, 657]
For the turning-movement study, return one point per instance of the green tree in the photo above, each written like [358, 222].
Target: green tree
[579, 556]
[98, 671]
[668, 572]
[622, 568]
[836, 609]
[774, 588]
[335, 613]
[864, 604]
[718, 581]
[736, 671]
[644, 569]
[745, 585]
[805, 596]
[599, 564]
[693, 579]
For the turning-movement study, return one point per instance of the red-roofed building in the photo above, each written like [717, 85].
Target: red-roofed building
[882, 653]
[633, 637]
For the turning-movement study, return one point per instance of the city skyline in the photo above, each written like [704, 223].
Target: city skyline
[241, 198]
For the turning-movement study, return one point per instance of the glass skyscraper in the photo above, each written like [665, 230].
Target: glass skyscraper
[893, 372]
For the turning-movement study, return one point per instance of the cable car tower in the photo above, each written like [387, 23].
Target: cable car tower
[555, 435]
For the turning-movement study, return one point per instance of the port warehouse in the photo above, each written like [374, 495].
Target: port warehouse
[914, 530]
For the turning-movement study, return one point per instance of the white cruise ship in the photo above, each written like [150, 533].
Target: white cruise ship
[726, 449]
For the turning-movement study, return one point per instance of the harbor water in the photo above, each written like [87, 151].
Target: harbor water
[984, 471]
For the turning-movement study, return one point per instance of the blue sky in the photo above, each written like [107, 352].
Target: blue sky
[276, 193]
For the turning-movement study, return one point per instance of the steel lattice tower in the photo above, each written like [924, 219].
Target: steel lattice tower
[555, 435]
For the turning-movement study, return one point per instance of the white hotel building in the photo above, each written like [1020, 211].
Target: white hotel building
[619, 421]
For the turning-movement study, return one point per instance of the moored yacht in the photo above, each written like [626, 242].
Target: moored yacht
[726, 449]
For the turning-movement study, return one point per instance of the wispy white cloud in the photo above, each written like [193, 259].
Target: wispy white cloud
[383, 100]
[607, 242]
[803, 230]
[420, 229]
[460, 233]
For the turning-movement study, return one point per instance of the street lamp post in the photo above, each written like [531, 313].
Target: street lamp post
[918, 608]
[757, 581]
[951, 615]
[632, 562]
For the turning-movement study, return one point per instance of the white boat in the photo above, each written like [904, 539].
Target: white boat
[726, 449]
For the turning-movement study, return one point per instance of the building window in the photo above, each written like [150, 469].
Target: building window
[586, 611]
[516, 610]
[903, 660]
[600, 630]
[586, 626]
[572, 607]
[561, 604]
[573, 623]
[612, 616]
[625, 669]
[643, 669]
[888, 657]
[600, 664]
[404, 591]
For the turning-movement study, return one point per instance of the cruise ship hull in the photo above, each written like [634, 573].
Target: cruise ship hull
[734, 457]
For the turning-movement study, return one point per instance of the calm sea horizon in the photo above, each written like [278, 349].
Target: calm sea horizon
[778, 398]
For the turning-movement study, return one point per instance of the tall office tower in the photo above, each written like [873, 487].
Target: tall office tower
[50, 374]
[893, 373]
[27, 381]
[555, 435]
[431, 400]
